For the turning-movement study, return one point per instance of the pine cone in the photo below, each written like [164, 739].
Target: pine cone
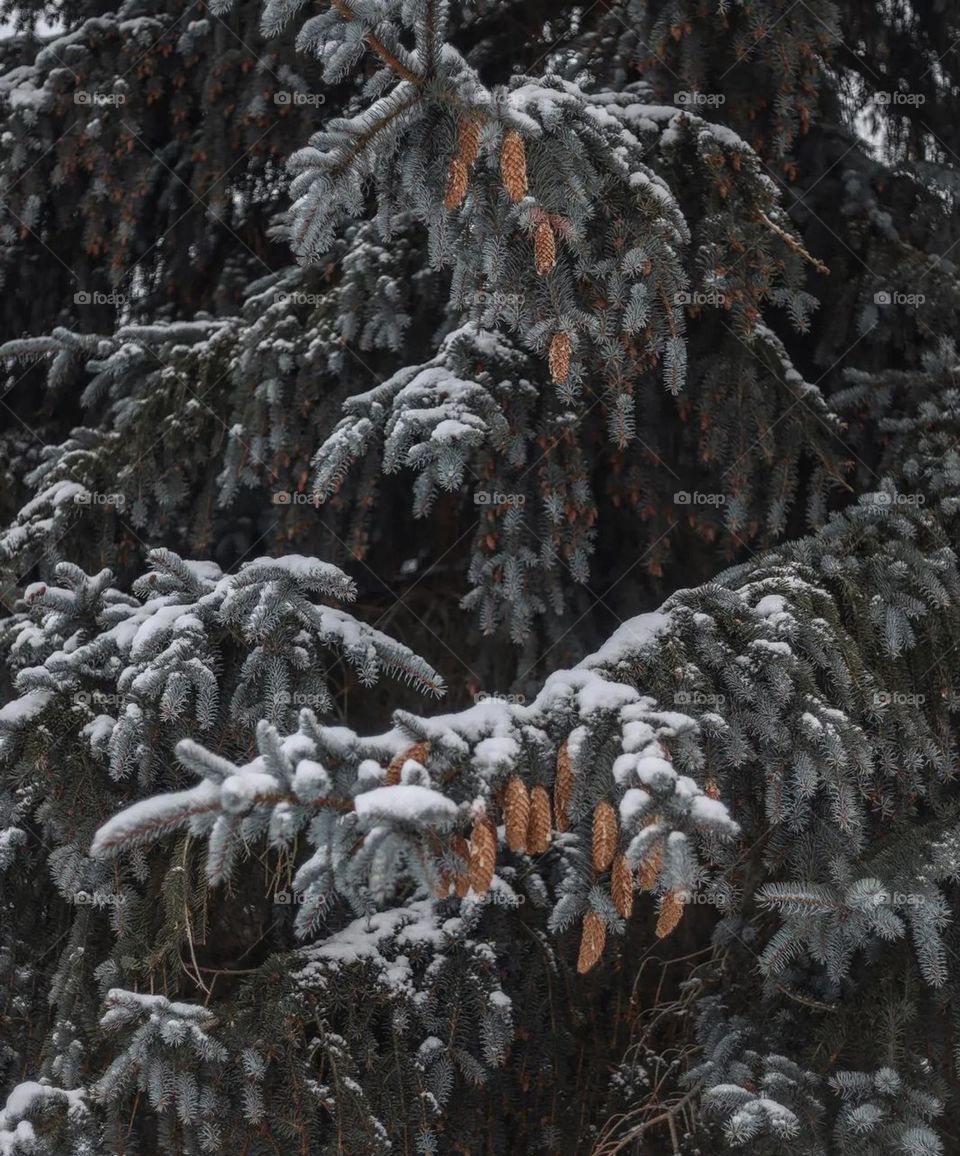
[606, 834]
[538, 828]
[468, 140]
[513, 166]
[544, 248]
[461, 885]
[516, 814]
[563, 787]
[458, 178]
[560, 347]
[592, 942]
[621, 886]
[418, 752]
[671, 912]
[650, 870]
[483, 856]
[711, 790]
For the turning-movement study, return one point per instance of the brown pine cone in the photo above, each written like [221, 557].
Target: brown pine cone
[544, 248]
[483, 856]
[606, 835]
[468, 140]
[563, 787]
[592, 942]
[418, 752]
[457, 181]
[539, 825]
[516, 813]
[513, 165]
[671, 912]
[559, 358]
[621, 886]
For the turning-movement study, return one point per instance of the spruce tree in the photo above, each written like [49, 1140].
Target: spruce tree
[588, 368]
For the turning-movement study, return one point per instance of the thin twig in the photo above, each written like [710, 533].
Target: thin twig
[186, 916]
[794, 244]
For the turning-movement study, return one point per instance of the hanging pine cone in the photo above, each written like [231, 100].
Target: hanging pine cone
[483, 856]
[605, 835]
[621, 886]
[516, 813]
[671, 912]
[560, 347]
[592, 941]
[538, 828]
[418, 752]
[513, 166]
[563, 787]
[650, 870]
[458, 178]
[468, 140]
[544, 248]
[711, 790]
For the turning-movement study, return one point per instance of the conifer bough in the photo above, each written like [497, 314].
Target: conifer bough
[495, 331]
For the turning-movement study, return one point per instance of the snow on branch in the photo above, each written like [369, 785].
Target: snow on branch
[422, 801]
[599, 788]
[154, 658]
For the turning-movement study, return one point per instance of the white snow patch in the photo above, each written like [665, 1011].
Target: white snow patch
[405, 803]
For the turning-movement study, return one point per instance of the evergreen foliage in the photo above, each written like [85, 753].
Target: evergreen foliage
[604, 358]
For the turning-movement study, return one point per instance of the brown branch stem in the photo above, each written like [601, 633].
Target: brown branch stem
[379, 47]
[793, 243]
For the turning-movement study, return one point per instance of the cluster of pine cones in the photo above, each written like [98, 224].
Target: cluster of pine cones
[529, 816]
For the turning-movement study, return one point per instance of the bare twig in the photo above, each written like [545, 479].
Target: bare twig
[794, 244]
